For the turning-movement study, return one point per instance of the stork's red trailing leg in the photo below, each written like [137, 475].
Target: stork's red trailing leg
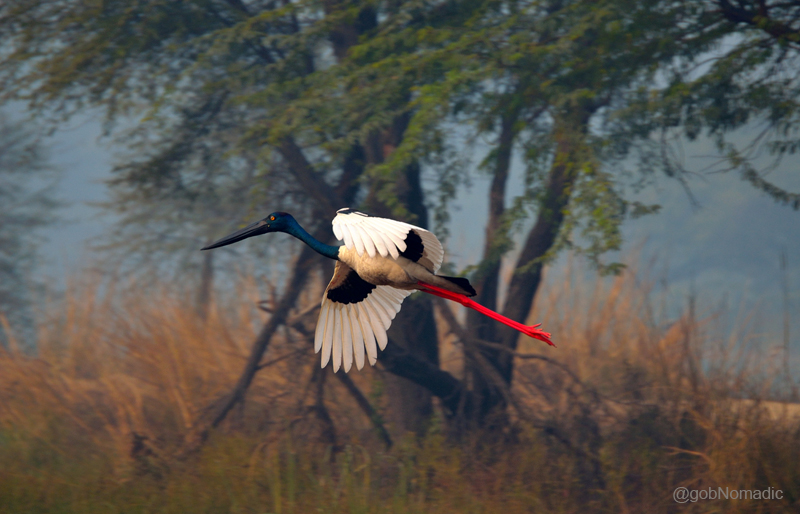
[530, 331]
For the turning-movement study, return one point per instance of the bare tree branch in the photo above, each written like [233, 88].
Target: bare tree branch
[365, 406]
[759, 18]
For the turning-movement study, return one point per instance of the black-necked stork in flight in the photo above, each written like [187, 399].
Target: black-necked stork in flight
[381, 263]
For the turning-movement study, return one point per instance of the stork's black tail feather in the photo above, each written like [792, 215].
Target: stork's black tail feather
[461, 282]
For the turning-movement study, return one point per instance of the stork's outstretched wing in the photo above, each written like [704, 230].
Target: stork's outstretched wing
[354, 316]
[369, 234]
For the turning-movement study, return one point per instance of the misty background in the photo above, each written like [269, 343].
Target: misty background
[548, 143]
[723, 246]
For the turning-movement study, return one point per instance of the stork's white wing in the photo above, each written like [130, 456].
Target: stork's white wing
[354, 316]
[380, 236]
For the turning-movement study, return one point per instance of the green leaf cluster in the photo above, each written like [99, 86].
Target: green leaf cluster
[213, 88]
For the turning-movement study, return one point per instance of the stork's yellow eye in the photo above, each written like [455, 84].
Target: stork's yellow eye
[272, 218]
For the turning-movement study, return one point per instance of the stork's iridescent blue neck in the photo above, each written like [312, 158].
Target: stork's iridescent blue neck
[293, 228]
[278, 222]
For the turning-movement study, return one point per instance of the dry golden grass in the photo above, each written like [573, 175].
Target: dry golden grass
[628, 407]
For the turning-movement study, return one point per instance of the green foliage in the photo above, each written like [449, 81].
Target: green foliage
[737, 67]
[225, 82]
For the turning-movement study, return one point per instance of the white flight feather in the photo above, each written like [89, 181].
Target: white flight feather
[355, 233]
[347, 339]
[358, 336]
[323, 312]
[348, 238]
[383, 236]
[337, 339]
[394, 294]
[398, 237]
[369, 246]
[327, 336]
[376, 322]
[392, 305]
[378, 230]
[380, 243]
[383, 312]
[369, 335]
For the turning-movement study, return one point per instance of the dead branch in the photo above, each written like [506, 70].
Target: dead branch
[355, 392]
[362, 402]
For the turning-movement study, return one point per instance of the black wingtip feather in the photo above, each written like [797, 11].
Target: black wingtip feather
[414, 247]
[461, 282]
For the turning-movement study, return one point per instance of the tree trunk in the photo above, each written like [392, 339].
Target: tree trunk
[454, 396]
[487, 278]
[569, 134]
[414, 329]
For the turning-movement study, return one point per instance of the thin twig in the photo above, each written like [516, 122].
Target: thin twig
[362, 402]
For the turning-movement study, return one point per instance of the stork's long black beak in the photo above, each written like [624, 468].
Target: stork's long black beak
[254, 229]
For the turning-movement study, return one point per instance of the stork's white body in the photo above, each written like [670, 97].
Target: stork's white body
[399, 272]
[380, 270]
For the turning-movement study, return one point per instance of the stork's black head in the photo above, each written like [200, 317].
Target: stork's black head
[275, 222]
